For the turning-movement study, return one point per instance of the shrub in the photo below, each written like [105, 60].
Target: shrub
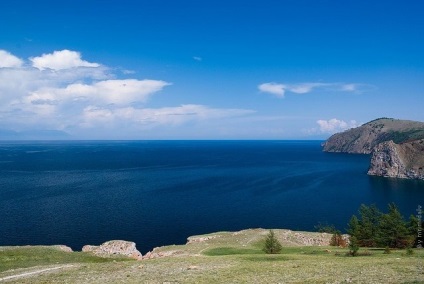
[337, 240]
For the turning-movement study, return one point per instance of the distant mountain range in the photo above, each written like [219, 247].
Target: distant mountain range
[397, 146]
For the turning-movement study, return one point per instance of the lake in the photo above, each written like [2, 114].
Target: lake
[160, 192]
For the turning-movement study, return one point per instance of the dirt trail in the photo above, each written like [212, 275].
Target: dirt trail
[35, 272]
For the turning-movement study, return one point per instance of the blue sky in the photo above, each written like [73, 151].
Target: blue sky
[207, 69]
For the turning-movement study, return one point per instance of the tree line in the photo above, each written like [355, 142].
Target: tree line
[373, 228]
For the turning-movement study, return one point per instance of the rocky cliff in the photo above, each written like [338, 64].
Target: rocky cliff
[404, 160]
[397, 146]
[363, 139]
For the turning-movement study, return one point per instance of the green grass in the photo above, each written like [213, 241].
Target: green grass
[23, 257]
[227, 258]
[231, 251]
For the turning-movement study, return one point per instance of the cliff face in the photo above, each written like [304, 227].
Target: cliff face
[404, 160]
[363, 139]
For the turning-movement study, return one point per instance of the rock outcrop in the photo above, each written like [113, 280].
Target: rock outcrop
[63, 248]
[156, 253]
[404, 160]
[363, 139]
[114, 248]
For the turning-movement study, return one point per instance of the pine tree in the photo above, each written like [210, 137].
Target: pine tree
[272, 245]
[354, 226]
[353, 246]
[368, 225]
[392, 229]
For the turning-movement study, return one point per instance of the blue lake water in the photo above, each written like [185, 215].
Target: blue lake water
[160, 192]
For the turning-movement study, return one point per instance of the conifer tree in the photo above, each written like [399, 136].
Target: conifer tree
[272, 245]
[368, 225]
[392, 229]
[353, 229]
[353, 246]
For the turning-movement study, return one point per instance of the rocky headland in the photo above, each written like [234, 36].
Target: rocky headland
[396, 146]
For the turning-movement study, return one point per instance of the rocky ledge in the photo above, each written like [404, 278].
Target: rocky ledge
[114, 248]
[404, 160]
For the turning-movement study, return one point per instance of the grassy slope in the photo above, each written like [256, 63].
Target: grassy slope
[227, 258]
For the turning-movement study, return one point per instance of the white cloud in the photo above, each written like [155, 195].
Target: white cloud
[8, 60]
[118, 92]
[197, 58]
[279, 89]
[59, 60]
[273, 88]
[335, 125]
[87, 100]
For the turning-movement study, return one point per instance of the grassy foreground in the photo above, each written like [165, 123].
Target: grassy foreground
[217, 258]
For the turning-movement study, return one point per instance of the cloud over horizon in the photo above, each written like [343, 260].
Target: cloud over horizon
[61, 91]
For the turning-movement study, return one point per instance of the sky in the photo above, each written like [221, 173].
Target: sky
[288, 69]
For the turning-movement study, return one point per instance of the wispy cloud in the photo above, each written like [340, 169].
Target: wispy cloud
[197, 58]
[157, 116]
[280, 89]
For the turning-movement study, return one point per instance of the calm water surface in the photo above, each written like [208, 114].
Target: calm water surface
[160, 192]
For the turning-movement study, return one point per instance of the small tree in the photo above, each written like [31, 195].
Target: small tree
[353, 246]
[354, 226]
[272, 245]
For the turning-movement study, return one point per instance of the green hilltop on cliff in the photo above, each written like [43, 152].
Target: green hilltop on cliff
[363, 139]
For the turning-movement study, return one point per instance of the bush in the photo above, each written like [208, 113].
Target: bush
[337, 240]
[387, 250]
[272, 245]
[409, 251]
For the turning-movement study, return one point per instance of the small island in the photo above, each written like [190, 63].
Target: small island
[396, 146]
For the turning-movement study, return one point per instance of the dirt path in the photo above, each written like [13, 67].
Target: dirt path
[35, 272]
